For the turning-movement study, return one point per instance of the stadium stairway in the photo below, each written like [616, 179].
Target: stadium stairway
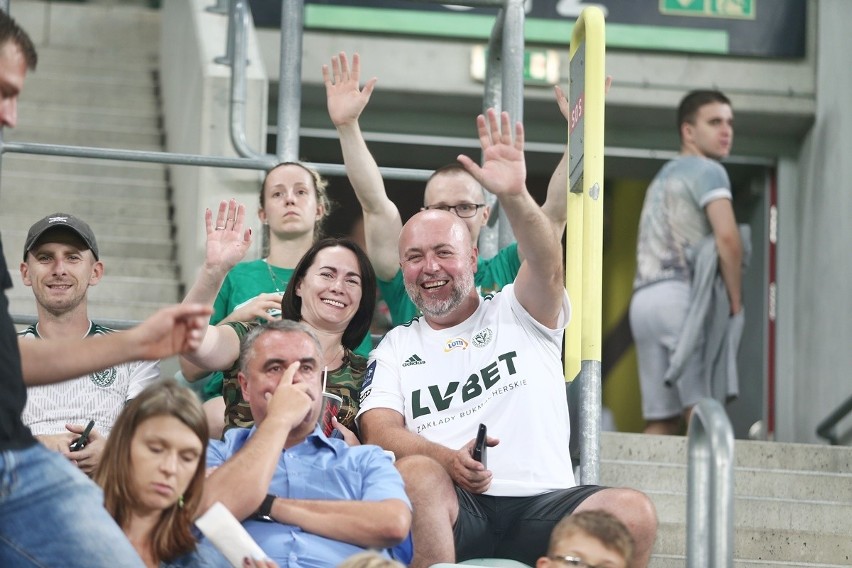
[95, 85]
[792, 504]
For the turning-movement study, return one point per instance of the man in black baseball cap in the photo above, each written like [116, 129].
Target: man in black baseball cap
[50, 514]
[61, 221]
[60, 265]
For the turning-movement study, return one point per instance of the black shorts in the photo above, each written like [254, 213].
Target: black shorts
[512, 527]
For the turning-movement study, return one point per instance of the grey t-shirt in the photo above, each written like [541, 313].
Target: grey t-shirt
[673, 220]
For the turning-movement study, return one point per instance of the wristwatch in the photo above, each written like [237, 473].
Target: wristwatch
[265, 510]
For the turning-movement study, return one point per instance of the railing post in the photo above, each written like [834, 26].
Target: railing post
[584, 239]
[220, 7]
[489, 236]
[710, 488]
[231, 13]
[290, 80]
[239, 63]
[513, 88]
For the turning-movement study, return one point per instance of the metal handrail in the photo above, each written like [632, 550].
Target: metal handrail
[828, 428]
[710, 488]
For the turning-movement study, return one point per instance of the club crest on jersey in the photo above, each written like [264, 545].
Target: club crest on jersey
[455, 343]
[103, 378]
[483, 338]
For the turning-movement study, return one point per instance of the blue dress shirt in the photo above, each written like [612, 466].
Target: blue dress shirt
[321, 469]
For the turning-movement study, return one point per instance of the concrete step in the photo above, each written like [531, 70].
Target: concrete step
[28, 164]
[752, 482]
[20, 201]
[769, 455]
[102, 86]
[822, 517]
[84, 185]
[761, 547]
[54, 90]
[106, 229]
[97, 65]
[63, 116]
[792, 505]
[120, 29]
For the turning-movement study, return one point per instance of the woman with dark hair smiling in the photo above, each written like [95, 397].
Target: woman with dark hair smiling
[293, 204]
[332, 290]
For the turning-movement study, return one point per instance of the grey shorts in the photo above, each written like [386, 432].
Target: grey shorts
[657, 315]
[512, 527]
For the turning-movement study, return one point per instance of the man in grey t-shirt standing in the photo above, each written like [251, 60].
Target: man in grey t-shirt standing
[689, 199]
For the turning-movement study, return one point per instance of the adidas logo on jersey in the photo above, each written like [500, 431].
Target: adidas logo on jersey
[413, 360]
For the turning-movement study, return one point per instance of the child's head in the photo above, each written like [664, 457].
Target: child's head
[595, 539]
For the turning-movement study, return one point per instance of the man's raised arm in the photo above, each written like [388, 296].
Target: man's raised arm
[539, 284]
[382, 222]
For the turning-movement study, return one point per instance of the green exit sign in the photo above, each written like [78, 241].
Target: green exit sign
[741, 9]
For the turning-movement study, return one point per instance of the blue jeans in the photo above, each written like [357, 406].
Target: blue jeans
[53, 515]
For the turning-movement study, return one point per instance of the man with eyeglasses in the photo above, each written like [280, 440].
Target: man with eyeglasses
[450, 188]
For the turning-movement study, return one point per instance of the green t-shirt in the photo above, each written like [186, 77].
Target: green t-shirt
[491, 275]
[244, 282]
[345, 382]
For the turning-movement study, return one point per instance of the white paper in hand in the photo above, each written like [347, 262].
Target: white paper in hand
[228, 535]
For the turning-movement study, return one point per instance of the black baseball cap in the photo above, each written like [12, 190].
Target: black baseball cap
[65, 221]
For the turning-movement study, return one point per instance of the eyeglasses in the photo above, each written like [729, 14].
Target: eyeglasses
[572, 561]
[463, 210]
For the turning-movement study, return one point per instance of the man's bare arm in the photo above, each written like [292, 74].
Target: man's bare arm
[538, 286]
[720, 213]
[218, 350]
[170, 331]
[382, 222]
[555, 205]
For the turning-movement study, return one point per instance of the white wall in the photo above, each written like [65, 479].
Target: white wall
[820, 273]
[195, 92]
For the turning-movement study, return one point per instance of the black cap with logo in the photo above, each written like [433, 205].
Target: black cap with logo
[65, 221]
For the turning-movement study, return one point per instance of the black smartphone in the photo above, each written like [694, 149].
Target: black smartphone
[81, 442]
[479, 448]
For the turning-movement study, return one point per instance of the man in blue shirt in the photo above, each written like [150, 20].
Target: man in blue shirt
[306, 499]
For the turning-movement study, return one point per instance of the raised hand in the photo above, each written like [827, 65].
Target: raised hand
[562, 101]
[565, 105]
[227, 240]
[504, 170]
[345, 99]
